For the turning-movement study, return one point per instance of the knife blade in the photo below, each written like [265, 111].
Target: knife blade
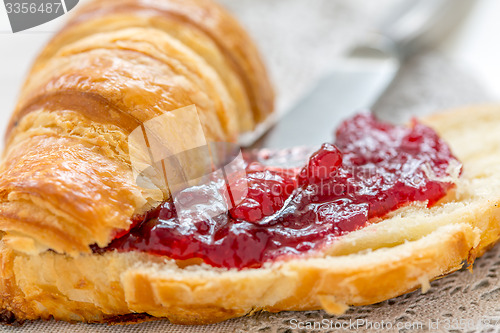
[355, 83]
[358, 79]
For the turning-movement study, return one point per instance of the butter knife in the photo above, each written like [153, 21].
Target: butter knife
[358, 79]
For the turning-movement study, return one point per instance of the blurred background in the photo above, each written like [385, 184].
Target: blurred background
[301, 39]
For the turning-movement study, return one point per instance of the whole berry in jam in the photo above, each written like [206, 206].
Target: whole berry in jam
[322, 165]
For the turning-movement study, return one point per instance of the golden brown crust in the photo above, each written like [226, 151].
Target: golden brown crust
[201, 25]
[138, 85]
[65, 194]
[211, 20]
[67, 180]
[409, 249]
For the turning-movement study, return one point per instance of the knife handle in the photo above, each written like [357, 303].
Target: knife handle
[421, 24]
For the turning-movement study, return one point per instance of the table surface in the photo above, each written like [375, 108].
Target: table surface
[299, 40]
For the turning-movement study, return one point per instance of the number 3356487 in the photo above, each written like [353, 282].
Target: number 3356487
[33, 7]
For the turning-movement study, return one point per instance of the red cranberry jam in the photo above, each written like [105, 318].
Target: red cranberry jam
[373, 169]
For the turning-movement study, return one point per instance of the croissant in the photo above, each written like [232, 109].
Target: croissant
[65, 181]
[69, 186]
[114, 66]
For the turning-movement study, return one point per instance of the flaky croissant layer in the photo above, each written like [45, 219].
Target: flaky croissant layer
[66, 181]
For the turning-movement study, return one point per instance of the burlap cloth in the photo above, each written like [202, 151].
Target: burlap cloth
[299, 39]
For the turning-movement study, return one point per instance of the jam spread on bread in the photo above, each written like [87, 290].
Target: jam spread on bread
[372, 169]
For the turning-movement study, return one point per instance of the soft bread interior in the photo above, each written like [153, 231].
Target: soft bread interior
[383, 260]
